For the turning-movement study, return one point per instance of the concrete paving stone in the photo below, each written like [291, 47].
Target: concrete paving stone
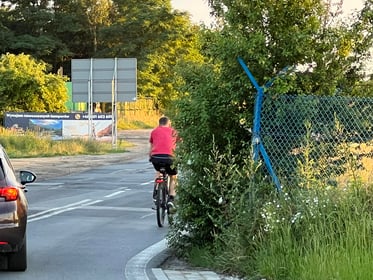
[191, 275]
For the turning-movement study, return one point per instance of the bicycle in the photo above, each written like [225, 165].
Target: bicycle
[162, 189]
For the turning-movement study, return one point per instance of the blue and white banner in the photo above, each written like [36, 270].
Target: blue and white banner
[61, 125]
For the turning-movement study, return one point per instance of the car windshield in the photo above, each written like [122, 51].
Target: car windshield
[7, 168]
[2, 173]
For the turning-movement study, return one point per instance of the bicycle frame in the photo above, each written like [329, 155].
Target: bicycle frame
[162, 184]
[163, 177]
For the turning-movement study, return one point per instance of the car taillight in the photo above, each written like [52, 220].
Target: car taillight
[9, 193]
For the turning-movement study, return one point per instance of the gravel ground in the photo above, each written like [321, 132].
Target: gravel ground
[49, 167]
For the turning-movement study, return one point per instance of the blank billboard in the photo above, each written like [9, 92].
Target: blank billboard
[101, 74]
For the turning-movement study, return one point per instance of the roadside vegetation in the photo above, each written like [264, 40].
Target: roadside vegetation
[235, 222]
[140, 114]
[230, 216]
[30, 144]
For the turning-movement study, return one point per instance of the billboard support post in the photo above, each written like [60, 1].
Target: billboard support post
[114, 104]
[109, 80]
[91, 132]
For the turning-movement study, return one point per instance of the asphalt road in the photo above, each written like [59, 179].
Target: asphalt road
[88, 223]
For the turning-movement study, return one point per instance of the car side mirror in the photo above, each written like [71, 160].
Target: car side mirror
[27, 177]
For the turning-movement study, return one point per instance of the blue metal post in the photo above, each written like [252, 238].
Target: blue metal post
[258, 105]
[256, 141]
[268, 164]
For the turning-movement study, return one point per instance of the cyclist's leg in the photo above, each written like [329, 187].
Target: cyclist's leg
[172, 175]
[171, 203]
[172, 172]
[172, 190]
[157, 174]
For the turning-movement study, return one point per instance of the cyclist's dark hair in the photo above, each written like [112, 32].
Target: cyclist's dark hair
[163, 121]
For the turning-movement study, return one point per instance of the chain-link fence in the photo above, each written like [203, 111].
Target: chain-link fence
[312, 139]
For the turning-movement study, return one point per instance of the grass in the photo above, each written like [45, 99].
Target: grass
[30, 145]
[139, 114]
[144, 123]
[307, 235]
[333, 241]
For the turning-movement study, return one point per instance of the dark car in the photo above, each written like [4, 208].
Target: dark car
[13, 215]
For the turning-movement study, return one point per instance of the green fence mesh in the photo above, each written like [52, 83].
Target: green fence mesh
[311, 139]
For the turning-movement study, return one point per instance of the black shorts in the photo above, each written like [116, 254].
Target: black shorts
[166, 161]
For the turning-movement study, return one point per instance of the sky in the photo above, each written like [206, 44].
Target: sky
[199, 9]
[349, 5]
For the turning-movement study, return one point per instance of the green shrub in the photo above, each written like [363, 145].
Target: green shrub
[212, 197]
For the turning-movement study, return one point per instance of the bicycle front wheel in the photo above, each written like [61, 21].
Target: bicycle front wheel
[161, 204]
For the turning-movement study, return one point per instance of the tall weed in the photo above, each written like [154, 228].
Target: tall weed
[32, 145]
[313, 240]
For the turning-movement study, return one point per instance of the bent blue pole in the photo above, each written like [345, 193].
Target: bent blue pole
[256, 141]
[257, 108]
[268, 164]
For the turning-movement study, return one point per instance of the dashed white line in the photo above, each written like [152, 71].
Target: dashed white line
[114, 194]
[58, 210]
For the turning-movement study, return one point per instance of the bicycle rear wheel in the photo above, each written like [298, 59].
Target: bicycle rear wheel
[161, 204]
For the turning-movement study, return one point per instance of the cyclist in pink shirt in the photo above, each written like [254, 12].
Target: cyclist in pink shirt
[162, 141]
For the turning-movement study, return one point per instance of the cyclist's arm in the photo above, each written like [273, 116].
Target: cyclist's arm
[150, 149]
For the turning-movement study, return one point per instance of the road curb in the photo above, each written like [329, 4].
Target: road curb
[139, 267]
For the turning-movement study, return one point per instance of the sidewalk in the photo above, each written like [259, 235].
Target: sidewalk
[147, 265]
[186, 275]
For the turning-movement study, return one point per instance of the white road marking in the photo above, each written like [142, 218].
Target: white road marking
[116, 208]
[145, 216]
[58, 210]
[83, 204]
[56, 187]
[114, 194]
[47, 184]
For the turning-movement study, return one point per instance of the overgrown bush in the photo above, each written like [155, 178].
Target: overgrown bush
[212, 156]
[212, 197]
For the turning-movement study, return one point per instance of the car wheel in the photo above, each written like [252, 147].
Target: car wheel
[18, 261]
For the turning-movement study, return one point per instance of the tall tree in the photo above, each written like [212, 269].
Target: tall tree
[299, 33]
[98, 12]
[27, 28]
[158, 37]
[26, 85]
